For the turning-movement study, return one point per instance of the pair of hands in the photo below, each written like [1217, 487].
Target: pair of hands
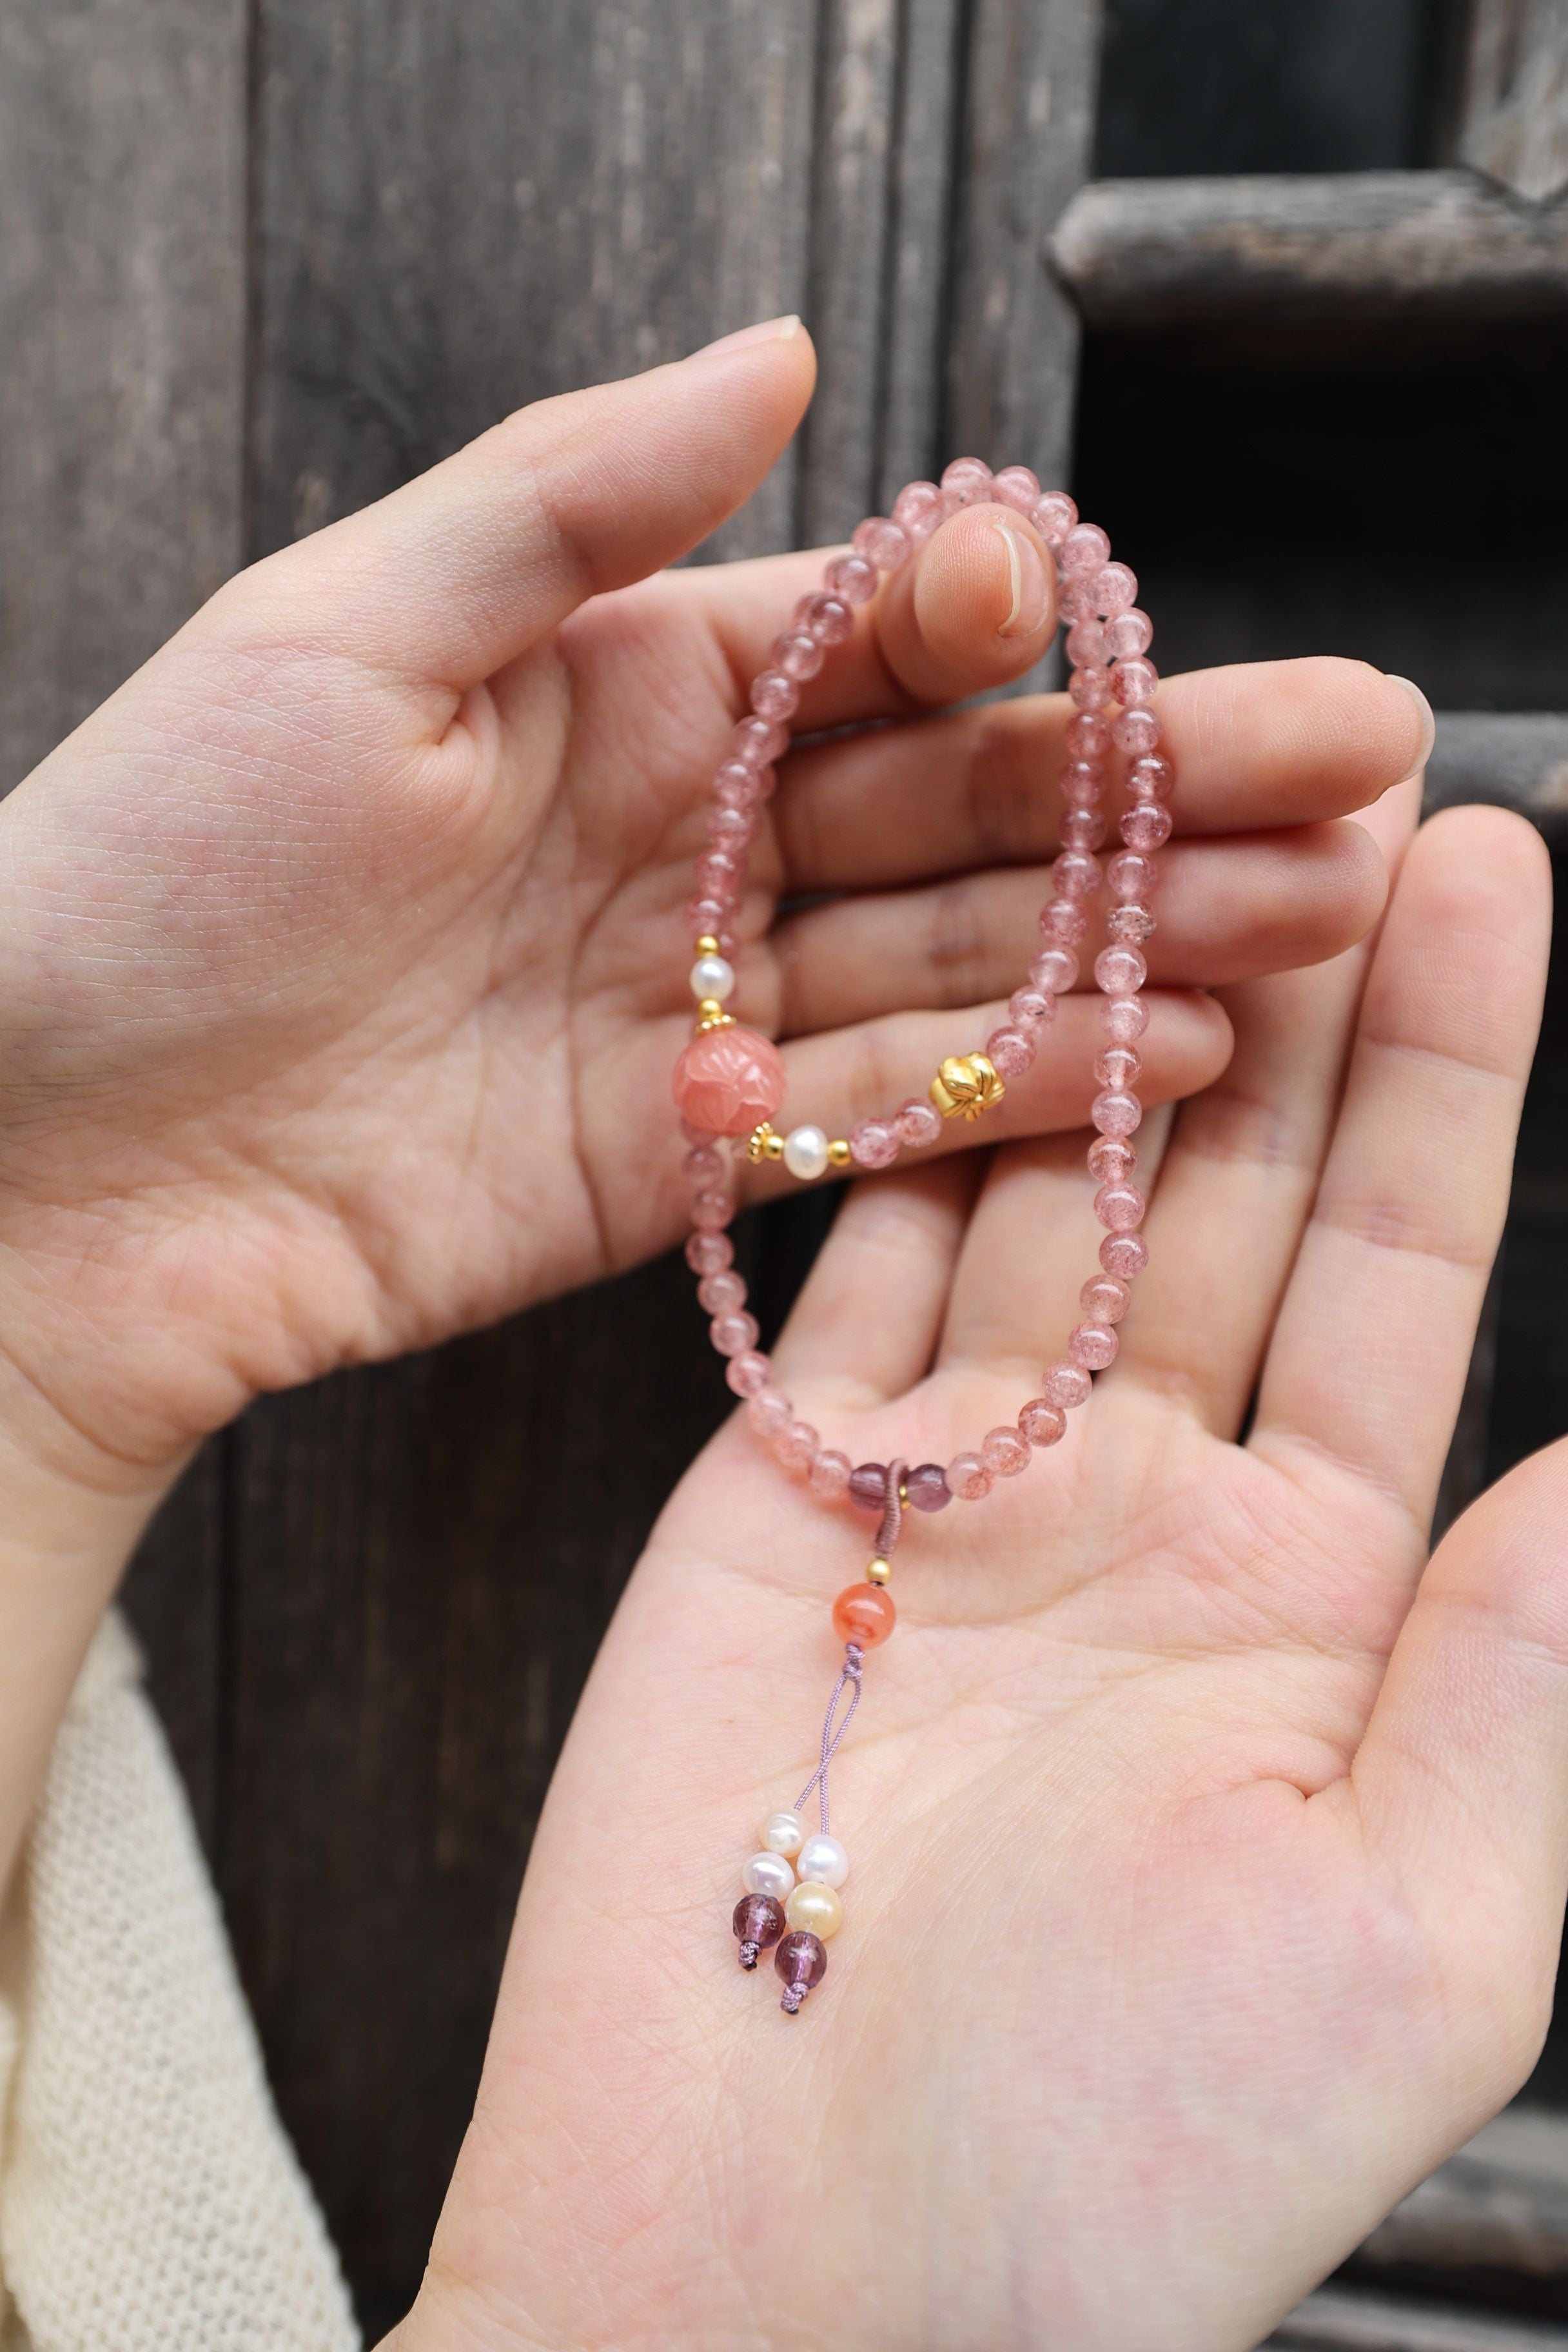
[1207, 1854]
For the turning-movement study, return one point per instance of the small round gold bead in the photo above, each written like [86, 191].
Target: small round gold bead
[707, 944]
[877, 1570]
[774, 1147]
[838, 1152]
[710, 1014]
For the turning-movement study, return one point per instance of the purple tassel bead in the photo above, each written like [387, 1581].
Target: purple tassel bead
[759, 1922]
[802, 1962]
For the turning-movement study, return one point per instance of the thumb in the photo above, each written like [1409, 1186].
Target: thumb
[464, 569]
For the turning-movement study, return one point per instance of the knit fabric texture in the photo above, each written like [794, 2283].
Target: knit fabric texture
[149, 2199]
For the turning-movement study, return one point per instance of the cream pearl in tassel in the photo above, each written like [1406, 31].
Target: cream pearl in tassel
[783, 1834]
[817, 1907]
[822, 1859]
[768, 1874]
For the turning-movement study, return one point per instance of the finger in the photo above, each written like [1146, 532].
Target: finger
[1238, 1182]
[1463, 1771]
[1261, 745]
[865, 1327]
[838, 1079]
[1370, 1353]
[460, 572]
[1227, 910]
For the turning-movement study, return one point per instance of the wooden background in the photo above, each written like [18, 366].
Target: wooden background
[262, 259]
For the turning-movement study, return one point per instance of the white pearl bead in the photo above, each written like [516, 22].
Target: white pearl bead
[712, 976]
[824, 1860]
[783, 1834]
[805, 1152]
[817, 1907]
[768, 1874]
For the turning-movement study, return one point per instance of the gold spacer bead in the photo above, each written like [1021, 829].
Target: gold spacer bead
[762, 1143]
[710, 1014]
[707, 944]
[965, 1086]
[774, 1146]
[877, 1570]
[838, 1152]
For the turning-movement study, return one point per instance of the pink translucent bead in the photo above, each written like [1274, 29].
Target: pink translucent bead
[1086, 645]
[1063, 922]
[747, 1374]
[757, 742]
[1124, 1255]
[1088, 735]
[1065, 1383]
[1083, 782]
[1129, 927]
[917, 510]
[1104, 1299]
[826, 618]
[853, 578]
[829, 1476]
[1145, 825]
[702, 1166]
[919, 1122]
[774, 696]
[1029, 1008]
[1121, 971]
[1136, 732]
[1016, 486]
[768, 1411]
[722, 1294]
[1133, 682]
[1085, 550]
[1009, 1052]
[711, 1211]
[882, 542]
[734, 1335]
[874, 1143]
[1119, 1207]
[716, 872]
[1132, 875]
[1128, 633]
[710, 1252]
[1089, 688]
[968, 1477]
[1076, 874]
[968, 479]
[732, 829]
[1074, 599]
[1124, 1019]
[798, 655]
[795, 1444]
[1119, 1066]
[1042, 1423]
[1053, 515]
[1114, 588]
[1092, 1346]
[1112, 1157]
[1004, 1452]
[727, 1080]
[1116, 1112]
[738, 786]
[1080, 828]
[710, 918]
[1150, 777]
[1054, 970]
[694, 1135]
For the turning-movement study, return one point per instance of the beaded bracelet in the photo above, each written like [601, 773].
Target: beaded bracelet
[730, 1082]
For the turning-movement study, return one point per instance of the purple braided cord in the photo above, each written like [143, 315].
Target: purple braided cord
[849, 1672]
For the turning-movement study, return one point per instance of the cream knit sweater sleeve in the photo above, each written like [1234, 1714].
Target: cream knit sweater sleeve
[149, 2201]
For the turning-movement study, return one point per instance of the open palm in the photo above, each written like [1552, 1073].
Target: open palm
[1206, 1843]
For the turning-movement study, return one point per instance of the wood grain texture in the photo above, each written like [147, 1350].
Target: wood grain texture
[1394, 245]
[1514, 122]
[122, 322]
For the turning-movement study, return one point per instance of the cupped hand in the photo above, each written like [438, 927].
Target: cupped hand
[343, 958]
[1206, 1845]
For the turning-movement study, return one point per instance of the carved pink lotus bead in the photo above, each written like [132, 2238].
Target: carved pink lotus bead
[874, 1143]
[1053, 515]
[919, 1122]
[1124, 1255]
[1092, 1345]
[1010, 1052]
[1042, 1423]
[728, 1080]
[1128, 633]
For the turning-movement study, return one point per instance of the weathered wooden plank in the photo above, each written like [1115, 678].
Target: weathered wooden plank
[1396, 246]
[909, 397]
[1514, 123]
[122, 322]
[1338, 2320]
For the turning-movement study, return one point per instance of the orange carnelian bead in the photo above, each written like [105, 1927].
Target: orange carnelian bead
[864, 1613]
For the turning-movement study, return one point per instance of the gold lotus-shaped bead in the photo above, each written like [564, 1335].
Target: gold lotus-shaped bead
[965, 1086]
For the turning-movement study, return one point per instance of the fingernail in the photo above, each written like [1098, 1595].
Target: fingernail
[766, 330]
[1428, 723]
[1031, 589]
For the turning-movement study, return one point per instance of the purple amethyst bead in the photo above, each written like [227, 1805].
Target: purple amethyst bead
[868, 1485]
[802, 1962]
[759, 1922]
[927, 1487]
